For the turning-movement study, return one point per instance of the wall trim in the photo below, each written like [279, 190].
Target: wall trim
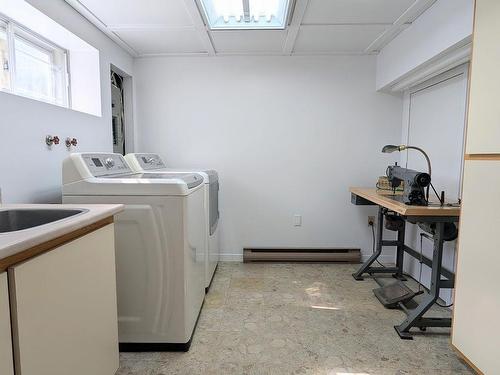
[449, 59]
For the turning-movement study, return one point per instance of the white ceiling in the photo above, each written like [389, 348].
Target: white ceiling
[176, 27]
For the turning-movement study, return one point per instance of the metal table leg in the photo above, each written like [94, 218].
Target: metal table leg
[400, 253]
[397, 271]
[415, 316]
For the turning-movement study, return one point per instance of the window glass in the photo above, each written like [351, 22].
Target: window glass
[4, 59]
[246, 14]
[34, 59]
[34, 70]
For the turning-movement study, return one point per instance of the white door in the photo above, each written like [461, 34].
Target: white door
[476, 330]
[6, 360]
[483, 129]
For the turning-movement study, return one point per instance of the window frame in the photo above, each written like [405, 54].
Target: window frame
[15, 31]
[4, 26]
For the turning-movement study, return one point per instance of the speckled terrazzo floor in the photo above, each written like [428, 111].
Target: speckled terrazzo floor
[298, 319]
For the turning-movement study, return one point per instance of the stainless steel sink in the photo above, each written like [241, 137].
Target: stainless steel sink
[18, 219]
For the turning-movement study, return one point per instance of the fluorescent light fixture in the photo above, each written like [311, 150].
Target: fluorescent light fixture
[246, 14]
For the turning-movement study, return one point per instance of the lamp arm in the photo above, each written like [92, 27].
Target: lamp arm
[425, 155]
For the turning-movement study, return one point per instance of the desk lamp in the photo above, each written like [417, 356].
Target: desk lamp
[387, 149]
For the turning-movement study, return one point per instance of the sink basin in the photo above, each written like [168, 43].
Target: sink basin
[19, 219]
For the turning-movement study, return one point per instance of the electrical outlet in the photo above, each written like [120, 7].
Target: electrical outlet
[297, 220]
[371, 220]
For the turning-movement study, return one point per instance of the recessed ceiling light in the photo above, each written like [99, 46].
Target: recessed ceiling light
[246, 14]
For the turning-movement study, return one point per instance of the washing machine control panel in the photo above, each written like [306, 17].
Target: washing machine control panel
[149, 161]
[106, 164]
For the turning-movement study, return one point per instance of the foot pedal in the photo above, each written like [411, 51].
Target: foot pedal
[391, 295]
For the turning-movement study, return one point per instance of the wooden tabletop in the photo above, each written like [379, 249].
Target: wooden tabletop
[393, 203]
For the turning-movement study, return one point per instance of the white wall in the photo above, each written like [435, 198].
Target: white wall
[288, 135]
[445, 26]
[29, 171]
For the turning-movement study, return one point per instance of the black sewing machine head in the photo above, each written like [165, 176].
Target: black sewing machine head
[414, 184]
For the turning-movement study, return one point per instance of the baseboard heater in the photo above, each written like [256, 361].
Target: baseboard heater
[301, 255]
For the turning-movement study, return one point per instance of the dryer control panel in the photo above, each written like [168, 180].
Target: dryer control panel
[149, 161]
[106, 164]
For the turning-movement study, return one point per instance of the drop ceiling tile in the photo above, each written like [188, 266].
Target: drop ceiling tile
[336, 38]
[157, 41]
[243, 41]
[145, 12]
[354, 11]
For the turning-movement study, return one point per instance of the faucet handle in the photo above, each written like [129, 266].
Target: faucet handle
[71, 142]
[52, 140]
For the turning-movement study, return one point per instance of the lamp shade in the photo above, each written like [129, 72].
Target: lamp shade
[390, 148]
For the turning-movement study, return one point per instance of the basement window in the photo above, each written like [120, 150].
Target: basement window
[246, 14]
[31, 65]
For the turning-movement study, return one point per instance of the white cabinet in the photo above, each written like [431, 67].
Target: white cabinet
[64, 309]
[483, 131]
[6, 360]
[477, 294]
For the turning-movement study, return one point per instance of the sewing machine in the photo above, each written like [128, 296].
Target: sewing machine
[414, 184]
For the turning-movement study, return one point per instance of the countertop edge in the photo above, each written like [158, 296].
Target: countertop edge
[15, 242]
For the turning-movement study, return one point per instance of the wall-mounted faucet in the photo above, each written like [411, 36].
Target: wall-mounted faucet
[71, 142]
[52, 140]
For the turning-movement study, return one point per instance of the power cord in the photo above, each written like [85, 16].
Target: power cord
[437, 195]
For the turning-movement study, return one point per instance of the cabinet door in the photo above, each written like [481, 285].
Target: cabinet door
[477, 295]
[6, 361]
[64, 309]
[483, 129]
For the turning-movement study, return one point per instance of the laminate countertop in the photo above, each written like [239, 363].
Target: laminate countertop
[12, 243]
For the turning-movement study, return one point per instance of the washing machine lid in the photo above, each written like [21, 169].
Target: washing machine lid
[109, 174]
[190, 179]
[152, 163]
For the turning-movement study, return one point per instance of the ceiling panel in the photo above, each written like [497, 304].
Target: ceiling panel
[260, 41]
[354, 11]
[336, 38]
[158, 41]
[132, 12]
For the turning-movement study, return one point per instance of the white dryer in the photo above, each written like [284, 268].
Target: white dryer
[160, 247]
[152, 163]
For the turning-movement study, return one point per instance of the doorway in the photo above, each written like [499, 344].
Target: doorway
[117, 113]
[436, 112]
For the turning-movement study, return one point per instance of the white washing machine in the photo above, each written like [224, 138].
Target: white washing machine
[152, 163]
[160, 246]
